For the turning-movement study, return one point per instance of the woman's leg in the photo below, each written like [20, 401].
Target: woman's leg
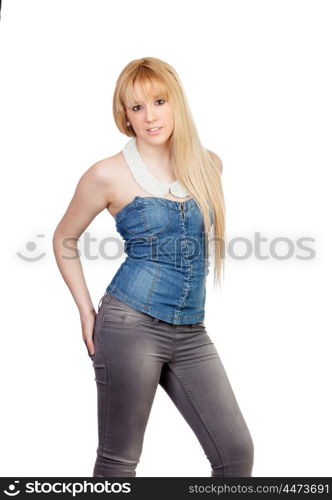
[133, 353]
[127, 363]
[197, 383]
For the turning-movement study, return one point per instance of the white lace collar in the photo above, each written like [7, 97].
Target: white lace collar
[145, 179]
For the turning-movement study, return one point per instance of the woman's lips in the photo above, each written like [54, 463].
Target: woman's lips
[154, 132]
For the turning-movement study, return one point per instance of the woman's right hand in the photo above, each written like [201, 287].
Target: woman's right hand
[88, 323]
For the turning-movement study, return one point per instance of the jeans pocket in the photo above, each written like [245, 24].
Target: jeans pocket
[122, 315]
[200, 326]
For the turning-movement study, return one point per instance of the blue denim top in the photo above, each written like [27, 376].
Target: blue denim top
[164, 273]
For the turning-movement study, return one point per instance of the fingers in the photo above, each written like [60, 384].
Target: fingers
[90, 347]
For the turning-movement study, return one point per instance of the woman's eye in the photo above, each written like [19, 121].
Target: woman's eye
[138, 105]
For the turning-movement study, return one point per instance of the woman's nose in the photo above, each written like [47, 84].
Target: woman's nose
[150, 113]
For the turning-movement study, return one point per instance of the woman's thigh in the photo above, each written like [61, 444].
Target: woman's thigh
[197, 383]
[127, 362]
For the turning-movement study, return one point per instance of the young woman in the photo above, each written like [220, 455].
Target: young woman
[164, 191]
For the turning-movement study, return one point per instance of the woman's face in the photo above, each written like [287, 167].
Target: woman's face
[151, 113]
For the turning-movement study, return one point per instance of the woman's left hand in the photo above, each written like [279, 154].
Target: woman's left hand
[88, 323]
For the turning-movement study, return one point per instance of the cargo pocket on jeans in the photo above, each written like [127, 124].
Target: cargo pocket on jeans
[100, 372]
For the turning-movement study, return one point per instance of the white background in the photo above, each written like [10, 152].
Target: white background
[258, 77]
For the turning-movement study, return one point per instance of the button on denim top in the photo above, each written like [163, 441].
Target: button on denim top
[164, 273]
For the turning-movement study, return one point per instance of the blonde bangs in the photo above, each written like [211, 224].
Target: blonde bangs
[151, 84]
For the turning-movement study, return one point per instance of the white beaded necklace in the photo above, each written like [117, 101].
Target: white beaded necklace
[145, 179]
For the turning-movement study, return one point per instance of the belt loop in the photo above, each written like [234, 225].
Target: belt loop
[156, 320]
[101, 300]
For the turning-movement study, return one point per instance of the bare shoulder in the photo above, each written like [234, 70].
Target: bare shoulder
[104, 171]
[91, 196]
[109, 179]
[216, 159]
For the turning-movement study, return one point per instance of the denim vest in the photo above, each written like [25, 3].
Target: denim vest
[164, 273]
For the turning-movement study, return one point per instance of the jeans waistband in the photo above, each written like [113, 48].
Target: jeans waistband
[109, 297]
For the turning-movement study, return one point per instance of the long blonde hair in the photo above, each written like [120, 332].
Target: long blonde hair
[194, 166]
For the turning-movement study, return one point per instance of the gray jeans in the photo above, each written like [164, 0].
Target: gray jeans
[135, 352]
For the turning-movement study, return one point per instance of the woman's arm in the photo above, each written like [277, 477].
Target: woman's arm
[89, 199]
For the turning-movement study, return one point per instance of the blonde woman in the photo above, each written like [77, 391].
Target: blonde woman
[165, 194]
